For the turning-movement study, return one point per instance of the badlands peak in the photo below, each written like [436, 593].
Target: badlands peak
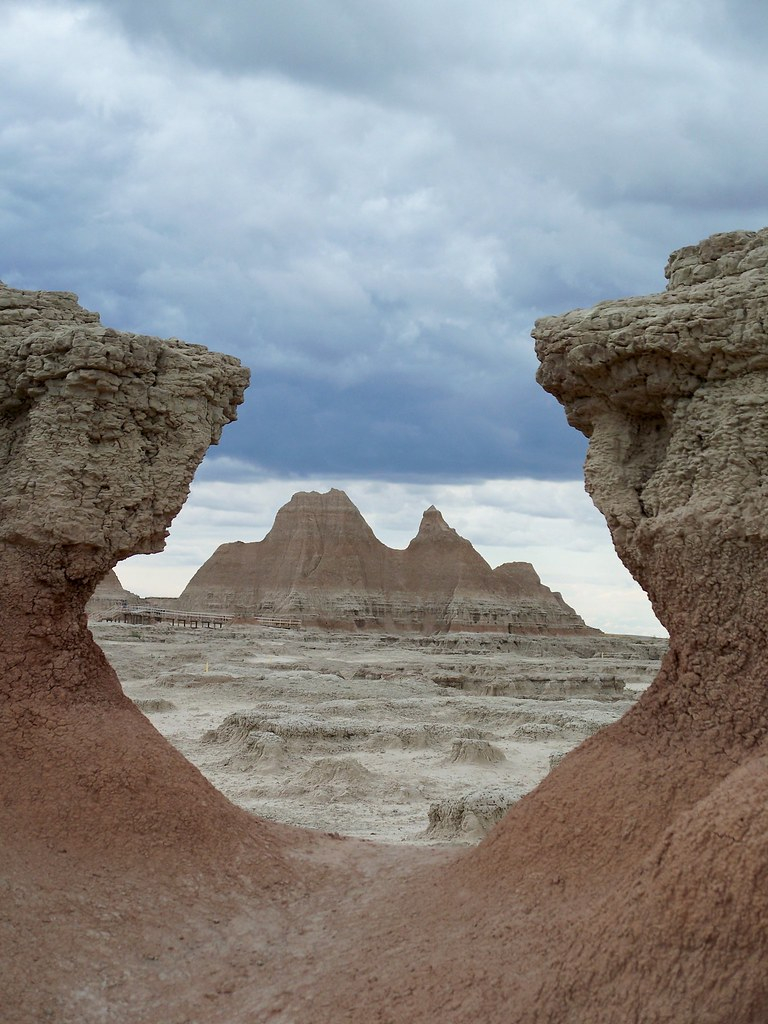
[331, 515]
[322, 565]
[432, 522]
[109, 593]
[433, 528]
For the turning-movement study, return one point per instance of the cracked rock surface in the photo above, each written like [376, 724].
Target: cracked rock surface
[100, 431]
[672, 391]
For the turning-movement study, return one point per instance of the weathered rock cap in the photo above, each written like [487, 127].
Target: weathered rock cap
[672, 391]
[100, 430]
[640, 355]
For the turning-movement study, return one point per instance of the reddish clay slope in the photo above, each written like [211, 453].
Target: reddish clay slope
[100, 433]
[86, 481]
[668, 806]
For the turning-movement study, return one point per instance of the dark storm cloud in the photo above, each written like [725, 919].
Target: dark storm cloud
[371, 203]
[399, 428]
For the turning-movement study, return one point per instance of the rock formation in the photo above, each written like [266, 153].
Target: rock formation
[100, 433]
[471, 816]
[672, 392]
[110, 593]
[630, 885]
[321, 564]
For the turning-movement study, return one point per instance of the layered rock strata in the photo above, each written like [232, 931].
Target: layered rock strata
[322, 565]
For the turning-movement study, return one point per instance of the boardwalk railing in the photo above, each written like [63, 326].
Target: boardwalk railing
[148, 614]
[276, 621]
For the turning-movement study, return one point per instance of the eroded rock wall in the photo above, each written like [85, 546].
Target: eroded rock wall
[672, 391]
[100, 433]
[631, 884]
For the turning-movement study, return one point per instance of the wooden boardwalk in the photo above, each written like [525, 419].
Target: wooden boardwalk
[145, 615]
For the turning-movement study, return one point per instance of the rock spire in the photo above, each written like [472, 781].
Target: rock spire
[100, 433]
[672, 392]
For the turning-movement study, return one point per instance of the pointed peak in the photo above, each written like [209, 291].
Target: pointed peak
[433, 524]
[434, 517]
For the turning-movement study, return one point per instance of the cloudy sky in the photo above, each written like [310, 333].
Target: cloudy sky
[370, 202]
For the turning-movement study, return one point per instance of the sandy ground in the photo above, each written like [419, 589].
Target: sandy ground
[423, 740]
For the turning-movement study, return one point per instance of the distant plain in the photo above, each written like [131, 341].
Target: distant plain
[408, 738]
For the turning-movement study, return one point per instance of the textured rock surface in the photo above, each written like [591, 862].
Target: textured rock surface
[100, 433]
[471, 816]
[322, 564]
[672, 391]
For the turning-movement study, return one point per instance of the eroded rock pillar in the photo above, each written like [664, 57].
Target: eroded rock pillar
[100, 434]
[672, 392]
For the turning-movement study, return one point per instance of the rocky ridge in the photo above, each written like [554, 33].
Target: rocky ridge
[322, 565]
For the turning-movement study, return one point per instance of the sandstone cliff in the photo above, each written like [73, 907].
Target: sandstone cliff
[321, 564]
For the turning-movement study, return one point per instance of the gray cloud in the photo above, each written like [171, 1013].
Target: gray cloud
[371, 203]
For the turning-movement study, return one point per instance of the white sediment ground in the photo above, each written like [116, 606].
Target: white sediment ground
[398, 738]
